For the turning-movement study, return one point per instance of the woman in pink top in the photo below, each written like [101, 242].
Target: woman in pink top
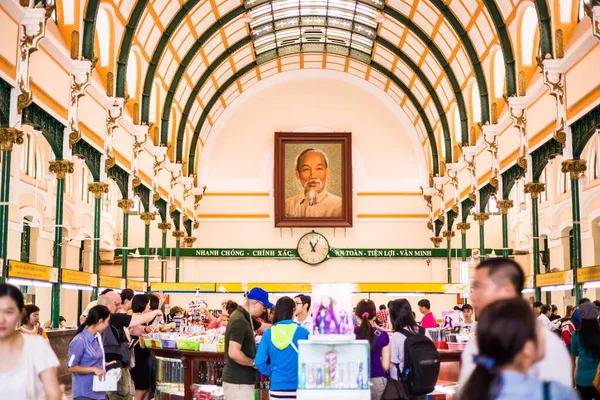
[428, 320]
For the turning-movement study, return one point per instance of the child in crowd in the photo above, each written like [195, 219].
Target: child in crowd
[30, 323]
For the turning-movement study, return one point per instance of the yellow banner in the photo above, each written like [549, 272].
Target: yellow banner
[110, 282]
[588, 274]
[552, 278]
[18, 269]
[137, 286]
[76, 277]
[183, 286]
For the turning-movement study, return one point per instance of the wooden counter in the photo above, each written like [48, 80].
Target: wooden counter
[450, 365]
[59, 341]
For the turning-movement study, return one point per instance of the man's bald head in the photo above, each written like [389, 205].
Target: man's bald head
[104, 300]
[111, 300]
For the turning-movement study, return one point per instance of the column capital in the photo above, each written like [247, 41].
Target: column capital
[10, 137]
[61, 168]
[125, 205]
[436, 240]
[448, 235]
[147, 217]
[178, 235]
[505, 205]
[534, 188]
[189, 241]
[98, 189]
[575, 167]
[164, 226]
[481, 217]
[463, 227]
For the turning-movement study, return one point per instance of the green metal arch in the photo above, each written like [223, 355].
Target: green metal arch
[252, 65]
[471, 54]
[89, 28]
[90, 155]
[238, 45]
[505, 45]
[132, 24]
[545, 23]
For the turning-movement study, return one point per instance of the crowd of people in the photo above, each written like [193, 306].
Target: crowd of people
[516, 353]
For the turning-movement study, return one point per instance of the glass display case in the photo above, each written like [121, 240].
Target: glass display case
[335, 369]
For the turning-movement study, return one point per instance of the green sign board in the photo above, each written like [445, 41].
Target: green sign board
[293, 253]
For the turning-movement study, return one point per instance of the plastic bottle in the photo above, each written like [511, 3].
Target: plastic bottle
[319, 377]
[360, 379]
[302, 376]
[327, 380]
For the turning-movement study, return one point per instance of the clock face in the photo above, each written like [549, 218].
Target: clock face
[313, 248]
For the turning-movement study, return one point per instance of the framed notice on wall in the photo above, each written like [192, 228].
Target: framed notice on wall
[313, 179]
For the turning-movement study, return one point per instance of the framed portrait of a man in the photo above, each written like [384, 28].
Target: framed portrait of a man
[313, 179]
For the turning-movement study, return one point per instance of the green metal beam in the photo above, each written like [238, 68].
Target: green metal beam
[57, 256]
[147, 259]
[177, 258]
[249, 67]
[125, 244]
[89, 28]
[536, 246]
[576, 259]
[505, 45]
[545, 25]
[4, 198]
[96, 245]
[130, 28]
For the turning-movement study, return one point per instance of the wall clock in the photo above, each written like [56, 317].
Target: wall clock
[313, 248]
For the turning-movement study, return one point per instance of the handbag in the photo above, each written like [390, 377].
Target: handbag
[394, 389]
[596, 382]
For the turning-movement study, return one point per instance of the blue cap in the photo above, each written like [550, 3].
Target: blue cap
[261, 295]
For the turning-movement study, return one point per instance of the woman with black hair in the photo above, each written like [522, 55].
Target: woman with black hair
[585, 350]
[379, 341]
[86, 355]
[277, 354]
[510, 342]
[30, 323]
[141, 373]
[403, 318]
[28, 364]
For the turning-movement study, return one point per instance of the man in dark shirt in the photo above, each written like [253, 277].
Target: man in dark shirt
[116, 339]
[239, 374]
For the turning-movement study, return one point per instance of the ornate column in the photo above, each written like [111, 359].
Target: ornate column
[81, 77]
[125, 205]
[178, 235]
[98, 189]
[463, 227]
[504, 206]
[164, 227]
[8, 138]
[534, 189]
[517, 110]
[594, 13]
[147, 217]
[575, 168]
[189, 241]
[436, 240]
[60, 168]
[554, 78]
[449, 235]
[481, 218]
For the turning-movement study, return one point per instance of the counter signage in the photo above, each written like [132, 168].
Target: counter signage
[110, 282]
[76, 277]
[588, 274]
[292, 254]
[18, 269]
[552, 279]
[137, 286]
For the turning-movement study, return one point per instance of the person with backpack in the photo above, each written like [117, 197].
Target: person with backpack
[415, 360]
[567, 327]
[379, 341]
[277, 354]
[510, 342]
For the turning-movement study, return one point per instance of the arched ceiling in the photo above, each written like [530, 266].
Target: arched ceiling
[424, 52]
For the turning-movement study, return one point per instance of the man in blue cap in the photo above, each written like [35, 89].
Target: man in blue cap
[239, 374]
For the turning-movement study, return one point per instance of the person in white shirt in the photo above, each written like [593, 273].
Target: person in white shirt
[302, 312]
[502, 278]
[28, 364]
[544, 319]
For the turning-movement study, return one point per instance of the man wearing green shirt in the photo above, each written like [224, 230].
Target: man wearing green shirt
[239, 374]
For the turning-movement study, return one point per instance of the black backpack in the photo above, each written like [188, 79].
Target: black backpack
[421, 363]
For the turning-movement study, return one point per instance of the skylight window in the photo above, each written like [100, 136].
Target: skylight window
[345, 27]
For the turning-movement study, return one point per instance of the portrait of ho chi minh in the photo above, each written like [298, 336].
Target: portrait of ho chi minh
[312, 171]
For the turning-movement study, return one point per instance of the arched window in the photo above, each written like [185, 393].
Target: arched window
[457, 132]
[565, 184]
[104, 36]
[32, 157]
[68, 12]
[132, 75]
[84, 184]
[565, 11]
[529, 26]
[544, 180]
[441, 138]
[475, 103]
[595, 166]
[498, 75]
[580, 11]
